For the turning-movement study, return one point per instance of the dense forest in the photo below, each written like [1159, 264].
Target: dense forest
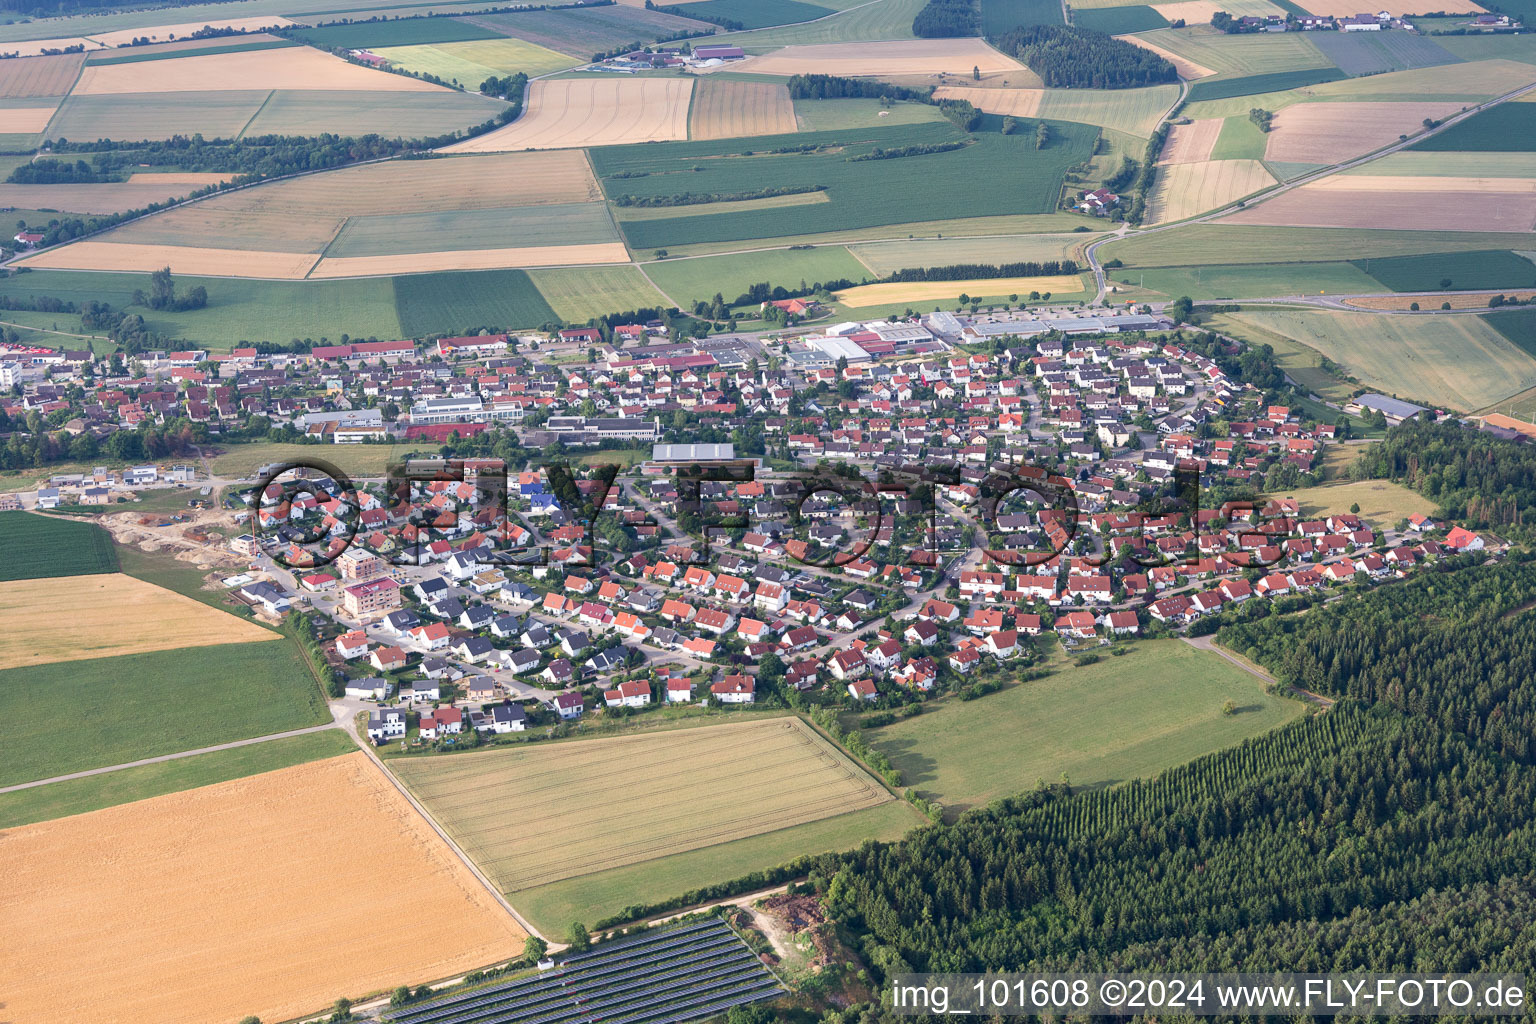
[1487, 482]
[1395, 831]
[945, 18]
[1065, 56]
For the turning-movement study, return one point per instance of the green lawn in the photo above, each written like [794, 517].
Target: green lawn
[72, 716]
[39, 546]
[1240, 139]
[77, 796]
[588, 898]
[356, 460]
[690, 280]
[1122, 718]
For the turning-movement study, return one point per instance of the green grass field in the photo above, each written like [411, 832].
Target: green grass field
[583, 31]
[690, 280]
[359, 460]
[1248, 280]
[465, 301]
[1456, 362]
[554, 224]
[1002, 174]
[998, 16]
[1241, 56]
[410, 115]
[1467, 271]
[1123, 718]
[1382, 502]
[1518, 325]
[401, 32]
[1520, 47]
[1506, 128]
[37, 547]
[552, 907]
[886, 257]
[1210, 244]
[750, 14]
[836, 115]
[580, 293]
[1118, 20]
[1240, 139]
[1134, 111]
[213, 47]
[1300, 363]
[137, 116]
[472, 62]
[882, 19]
[77, 796]
[1451, 164]
[71, 716]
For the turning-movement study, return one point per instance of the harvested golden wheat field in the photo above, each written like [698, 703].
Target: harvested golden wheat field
[1423, 211]
[1457, 300]
[1327, 133]
[904, 57]
[38, 76]
[1183, 190]
[1191, 143]
[588, 254]
[1186, 68]
[183, 30]
[726, 110]
[269, 895]
[1014, 102]
[249, 230]
[578, 112]
[1421, 183]
[34, 47]
[293, 68]
[29, 121]
[107, 197]
[539, 813]
[182, 259]
[196, 179]
[78, 617]
[927, 291]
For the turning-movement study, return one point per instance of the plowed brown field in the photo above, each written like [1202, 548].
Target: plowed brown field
[269, 895]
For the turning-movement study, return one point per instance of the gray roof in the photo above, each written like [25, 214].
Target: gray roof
[1389, 406]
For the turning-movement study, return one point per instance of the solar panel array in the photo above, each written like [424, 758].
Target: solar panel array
[659, 978]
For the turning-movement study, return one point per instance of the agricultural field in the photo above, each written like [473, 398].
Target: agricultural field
[359, 461]
[577, 295]
[80, 618]
[1123, 718]
[1506, 128]
[560, 225]
[887, 257]
[43, 547]
[93, 792]
[1005, 174]
[144, 705]
[1245, 280]
[1184, 189]
[471, 62]
[687, 281]
[1441, 271]
[724, 109]
[876, 21]
[411, 116]
[1382, 502]
[577, 112]
[1371, 53]
[1329, 133]
[571, 820]
[1115, 20]
[1227, 243]
[1259, 85]
[918, 57]
[129, 257]
[835, 115]
[1302, 364]
[582, 32]
[376, 35]
[459, 303]
[293, 68]
[1408, 163]
[1134, 111]
[240, 895]
[1462, 84]
[1239, 55]
[988, 289]
[1455, 362]
[134, 116]
[1317, 205]
[1518, 325]
[188, 47]
[998, 16]
[1191, 143]
[590, 897]
[39, 76]
[1454, 300]
[1240, 139]
[750, 14]
[110, 197]
[1186, 68]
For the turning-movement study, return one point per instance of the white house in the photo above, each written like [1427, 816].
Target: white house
[386, 724]
[372, 688]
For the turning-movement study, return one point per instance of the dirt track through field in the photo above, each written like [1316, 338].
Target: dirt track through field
[1012, 102]
[78, 617]
[269, 895]
[578, 112]
[1328, 133]
[728, 110]
[296, 67]
[539, 814]
[134, 257]
[1191, 143]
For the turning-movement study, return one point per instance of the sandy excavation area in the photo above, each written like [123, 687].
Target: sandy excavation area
[182, 259]
[1326, 133]
[1309, 206]
[246, 897]
[1013, 102]
[898, 57]
[78, 617]
[580, 112]
[472, 259]
[294, 67]
[1191, 143]
[1186, 68]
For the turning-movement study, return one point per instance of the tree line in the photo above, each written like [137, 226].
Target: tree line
[1065, 56]
[968, 271]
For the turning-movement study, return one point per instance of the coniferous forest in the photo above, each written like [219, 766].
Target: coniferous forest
[1396, 830]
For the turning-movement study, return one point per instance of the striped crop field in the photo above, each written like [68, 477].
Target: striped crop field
[540, 813]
